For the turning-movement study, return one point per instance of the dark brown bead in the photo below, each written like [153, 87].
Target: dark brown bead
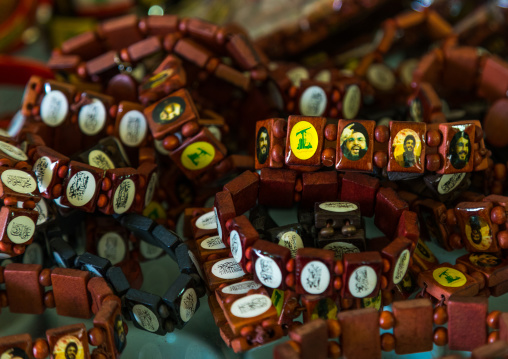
[455, 241]
[331, 132]
[382, 134]
[479, 278]
[171, 143]
[498, 215]
[387, 342]
[334, 350]
[502, 238]
[387, 297]
[57, 190]
[500, 171]
[326, 232]
[49, 299]
[40, 349]
[2, 278]
[451, 219]
[440, 336]
[277, 153]
[380, 159]
[106, 184]
[45, 277]
[190, 129]
[433, 162]
[433, 138]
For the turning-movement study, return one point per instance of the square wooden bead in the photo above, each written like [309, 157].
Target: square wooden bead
[444, 280]
[490, 86]
[16, 346]
[242, 235]
[17, 226]
[362, 274]
[82, 186]
[203, 223]
[244, 191]
[423, 257]
[249, 309]
[432, 216]
[389, 208]
[94, 116]
[409, 226]
[54, 101]
[398, 253]
[341, 244]
[319, 186]
[360, 333]
[224, 210]
[107, 153]
[198, 154]
[123, 192]
[464, 314]
[457, 148]
[120, 32]
[313, 339]
[47, 164]
[211, 247]
[130, 124]
[168, 115]
[24, 291]
[314, 271]
[277, 187]
[223, 270]
[18, 184]
[337, 214]
[68, 339]
[447, 187]
[70, 291]
[413, 330]
[9, 151]
[216, 310]
[316, 307]
[237, 290]
[270, 143]
[360, 188]
[355, 145]
[109, 319]
[168, 77]
[305, 140]
[494, 268]
[406, 148]
[478, 232]
[269, 264]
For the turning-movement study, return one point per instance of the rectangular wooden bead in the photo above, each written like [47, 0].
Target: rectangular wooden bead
[461, 66]
[16, 346]
[144, 48]
[24, 292]
[17, 226]
[103, 65]
[269, 264]
[285, 350]
[18, 184]
[406, 148]
[86, 45]
[60, 338]
[409, 226]
[131, 124]
[120, 32]
[493, 267]
[237, 290]
[413, 326]
[423, 257]
[109, 319]
[82, 186]
[492, 82]
[336, 214]
[318, 187]
[241, 50]
[99, 290]
[360, 334]
[313, 339]
[203, 30]
[160, 25]
[242, 235]
[232, 76]
[360, 188]
[221, 270]
[496, 350]
[389, 208]
[211, 247]
[217, 312]
[305, 141]
[431, 214]
[362, 274]
[355, 145]
[277, 187]
[457, 148]
[270, 143]
[447, 281]
[224, 210]
[70, 291]
[314, 271]
[398, 253]
[467, 327]
[244, 191]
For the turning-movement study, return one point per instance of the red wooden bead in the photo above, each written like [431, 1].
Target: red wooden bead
[451, 219]
[386, 320]
[102, 201]
[328, 157]
[249, 266]
[45, 277]
[384, 282]
[290, 265]
[57, 190]
[387, 342]
[382, 133]
[171, 143]
[331, 132]
[190, 129]
[106, 184]
[493, 319]
[440, 336]
[18, 249]
[433, 162]
[455, 241]
[440, 315]
[493, 337]
[502, 238]
[29, 205]
[40, 349]
[49, 299]
[337, 283]
[290, 280]
[380, 159]
[95, 336]
[498, 215]
[279, 128]
[433, 138]
[460, 267]
[346, 303]
[62, 171]
[479, 278]
[10, 201]
[5, 247]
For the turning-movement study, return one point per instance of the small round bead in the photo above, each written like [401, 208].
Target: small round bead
[386, 265]
[290, 106]
[293, 91]
[460, 267]
[381, 133]
[334, 350]
[102, 201]
[45, 277]
[331, 132]
[326, 232]
[493, 337]
[346, 303]
[290, 280]
[170, 143]
[23, 166]
[498, 215]
[387, 342]
[190, 129]
[98, 355]
[502, 238]
[49, 299]
[339, 268]
[106, 184]
[335, 97]
[29, 204]
[57, 190]
[499, 171]
[298, 197]
[328, 157]
[299, 185]
[212, 65]
[384, 282]
[5, 247]
[333, 113]
[4, 302]
[10, 201]
[477, 159]
[337, 283]
[493, 319]
[40, 349]
[455, 241]
[268, 323]
[440, 336]
[386, 320]
[277, 154]
[387, 297]
[124, 55]
[333, 328]
[248, 267]
[290, 265]
[440, 315]
[433, 162]
[478, 134]
[18, 249]
[433, 138]
[380, 159]
[348, 230]
[81, 71]
[451, 219]
[279, 128]
[496, 187]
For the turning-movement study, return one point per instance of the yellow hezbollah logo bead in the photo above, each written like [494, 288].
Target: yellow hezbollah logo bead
[303, 140]
[197, 155]
[449, 277]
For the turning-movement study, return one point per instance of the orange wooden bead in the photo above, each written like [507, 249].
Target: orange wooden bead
[212, 257]
[4, 302]
[433, 162]
[29, 204]
[95, 336]
[440, 336]
[40, 348]
[45, 277]
[280, 128]
[335, 98]
[49, 299]
[334, 350]
[384, 282]
[451, 219]
[290, 265]
[381, 133]
[440, 315]
[299, 185]
[246, 331]
[502, 239]
[477, 158]
[387, 342]
[337, 283]
[499, 171]
[248, 267]
[290, 280]
[493, 319]
[62, 171]
[106, 184]
[331, 132]
[18, 249]
[298, 197]
[10, 201]
[5, 247]
[190, 129]
[386, 320]
[498, 215]
[212, 65]
[102, 201]
[346, 303]
[339, 268]
[277, 153]
[387, 297]
[5, 162]
[493, 337]
[170, 143]
[333, 328]
[380, 159]
[455, 241]
[23, 166]
[328, 157]
[81, 71]
[433, 138]
[386, 265]
[57, 190]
